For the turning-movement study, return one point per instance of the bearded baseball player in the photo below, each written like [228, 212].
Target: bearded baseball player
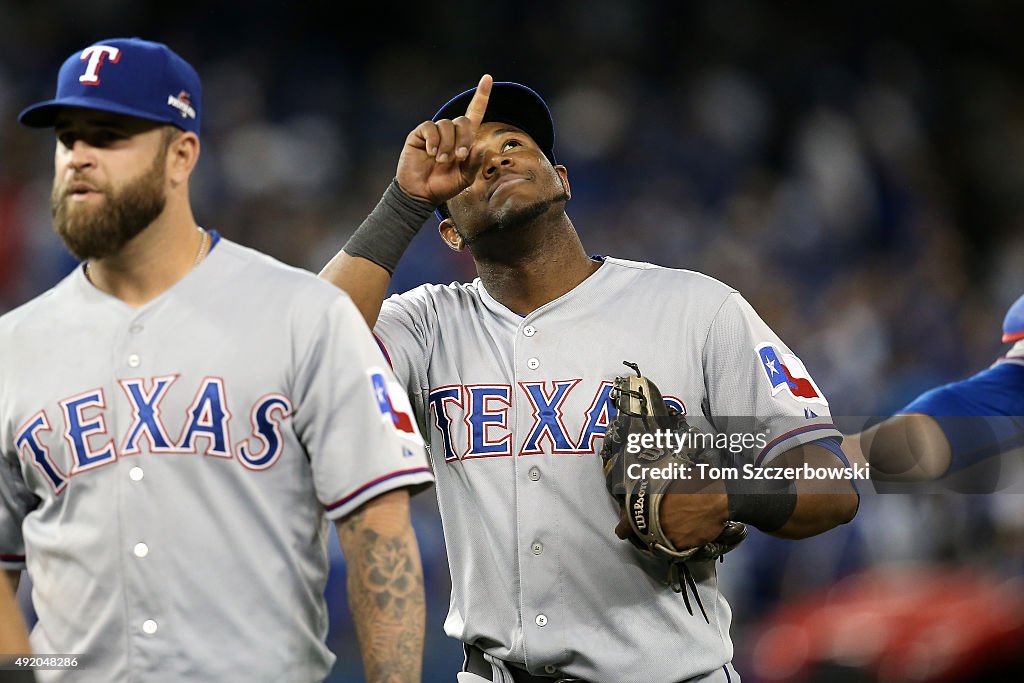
[517, 379]
[954, 427]
[181, 418]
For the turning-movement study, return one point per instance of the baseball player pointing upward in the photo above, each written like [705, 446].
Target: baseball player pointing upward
[510, 377]
[181, 417]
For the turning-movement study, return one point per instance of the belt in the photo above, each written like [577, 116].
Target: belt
[476, 664]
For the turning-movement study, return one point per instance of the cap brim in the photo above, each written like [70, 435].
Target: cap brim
[44, 114]
[514, 104]
[1013, 324]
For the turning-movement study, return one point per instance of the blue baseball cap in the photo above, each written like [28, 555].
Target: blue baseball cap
[128, 76]
[511, 103]
[1013, 325]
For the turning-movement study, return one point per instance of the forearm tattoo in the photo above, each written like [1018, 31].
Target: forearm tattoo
[385, 594]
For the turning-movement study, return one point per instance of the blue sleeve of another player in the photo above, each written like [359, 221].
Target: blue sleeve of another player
[981, 416]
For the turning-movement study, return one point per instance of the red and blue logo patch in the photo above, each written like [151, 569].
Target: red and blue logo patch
[786, 373]
[400, 414]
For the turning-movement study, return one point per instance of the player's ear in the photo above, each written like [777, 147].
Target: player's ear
[563, 176]
[182, 155]
[450, 235]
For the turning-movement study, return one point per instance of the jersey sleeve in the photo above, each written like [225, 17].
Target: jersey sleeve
[16, 501]
[350, 415]
[405, 331]
[758, 388]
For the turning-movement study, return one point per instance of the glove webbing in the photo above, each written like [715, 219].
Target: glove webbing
[680, 585]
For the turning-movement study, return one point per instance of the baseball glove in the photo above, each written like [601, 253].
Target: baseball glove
[642, 411]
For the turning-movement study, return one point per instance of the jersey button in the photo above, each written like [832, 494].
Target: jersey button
[136, 474]
[537, 548]
[135, 329]
[134, 360]
[529, 330]
[541, 620]
[149, 627]
[533, 363]
[534, 474]
[549, 669]
[140, 550]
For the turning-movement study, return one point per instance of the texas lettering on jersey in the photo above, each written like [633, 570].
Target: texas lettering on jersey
[473, 419]
[206, 428]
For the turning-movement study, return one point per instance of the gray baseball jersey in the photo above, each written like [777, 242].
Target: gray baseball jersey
[515, 409]
[168, 472]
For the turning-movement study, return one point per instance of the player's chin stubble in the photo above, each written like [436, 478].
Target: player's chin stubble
[97, 232]
[516, 217]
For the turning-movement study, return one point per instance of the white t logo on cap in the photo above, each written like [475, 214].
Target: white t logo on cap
[96, 55]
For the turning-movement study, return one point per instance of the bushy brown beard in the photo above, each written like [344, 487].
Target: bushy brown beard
[97, 232]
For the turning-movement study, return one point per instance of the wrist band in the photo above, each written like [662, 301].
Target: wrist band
[768, 504]
[386, 233]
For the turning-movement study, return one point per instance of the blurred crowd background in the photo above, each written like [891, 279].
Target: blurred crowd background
[855, 169]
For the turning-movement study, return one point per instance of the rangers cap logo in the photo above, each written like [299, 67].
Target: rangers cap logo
[127, 76]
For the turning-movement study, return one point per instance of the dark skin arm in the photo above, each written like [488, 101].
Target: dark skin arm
[435, 165]
[385, 579]
[385, 587]
[693, 519]
[364, 281]
[821, 504]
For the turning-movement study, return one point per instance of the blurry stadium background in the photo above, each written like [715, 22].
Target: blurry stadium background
[855, 169]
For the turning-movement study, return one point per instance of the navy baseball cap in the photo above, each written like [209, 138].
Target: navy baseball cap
[128, 76]
[511, 103]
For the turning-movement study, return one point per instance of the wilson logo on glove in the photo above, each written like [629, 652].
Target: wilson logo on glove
[643, 411]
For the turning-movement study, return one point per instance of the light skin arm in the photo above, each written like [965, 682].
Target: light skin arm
[692, 519]
[904, 448]
[437, 162]
[385, 587]
[13, 635]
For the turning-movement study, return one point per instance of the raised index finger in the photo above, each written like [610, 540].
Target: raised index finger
[478, 105]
